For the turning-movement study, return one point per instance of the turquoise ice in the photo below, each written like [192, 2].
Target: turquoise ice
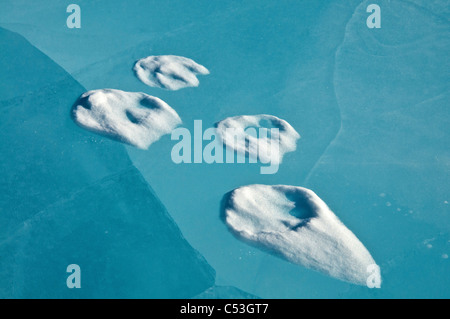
[371, 106]
[70, 197]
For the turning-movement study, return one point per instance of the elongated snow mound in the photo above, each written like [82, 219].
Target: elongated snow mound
[169, 72]
[137, 119]
[294, 223]
[235, 133]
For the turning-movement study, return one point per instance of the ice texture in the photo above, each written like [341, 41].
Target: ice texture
[225, 292]
[319, 67]
[294, 223]
[394, 127]
[70, 197]
[169, 72]
[232, 132]
[130, 117]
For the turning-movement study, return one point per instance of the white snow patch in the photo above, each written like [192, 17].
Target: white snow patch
[233, 132]
[134, 118]
[169, 71]
[294, 223]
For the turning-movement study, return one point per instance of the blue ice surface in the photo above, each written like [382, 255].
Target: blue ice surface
[68, 197]
[371, 106]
